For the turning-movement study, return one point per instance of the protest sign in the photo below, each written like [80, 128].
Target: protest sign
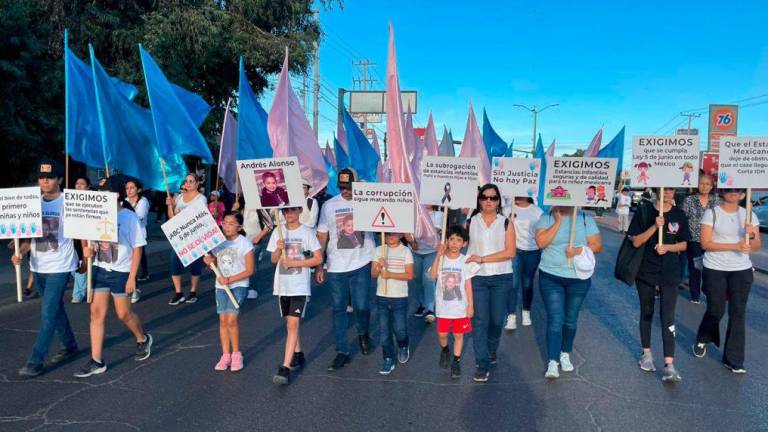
[90, 215]
[449, 181]
[192, 233]
[516, 177]
[743, 162]
[665, 161]
[20, 213]
[271, 183]
[580, 182]
[380, 207]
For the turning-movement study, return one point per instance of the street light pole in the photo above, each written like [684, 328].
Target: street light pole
[535, 111]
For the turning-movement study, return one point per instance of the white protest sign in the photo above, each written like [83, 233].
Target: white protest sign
[580, 182]
[665, 161]
[381, 207]
[743, 162]
[271, 183]
[449, 181]
[90, 215]
[193, 233]
[516, 177]
[20, 213]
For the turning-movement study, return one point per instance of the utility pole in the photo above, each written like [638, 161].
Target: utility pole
[316, 105]
[535, 111]
[363, 82]
[690, 116]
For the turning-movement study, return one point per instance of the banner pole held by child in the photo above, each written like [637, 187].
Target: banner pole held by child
[442, 237]
[226, 287]
[17, 252]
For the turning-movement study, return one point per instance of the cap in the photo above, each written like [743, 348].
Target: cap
[215, 193]
[346, 177]
[584, 263]
[305, 182]
[48, 168]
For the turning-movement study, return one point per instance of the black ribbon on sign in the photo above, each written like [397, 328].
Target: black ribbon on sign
[447, 195]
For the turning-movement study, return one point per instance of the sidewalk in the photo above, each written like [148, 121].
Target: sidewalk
[759, 259]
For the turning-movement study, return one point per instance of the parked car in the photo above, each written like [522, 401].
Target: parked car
[762, 215]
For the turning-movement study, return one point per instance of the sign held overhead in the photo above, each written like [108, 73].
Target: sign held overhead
[516, 177]
[580, 182]
[383, 207]
[449, 181]
[743, 162]
[665, 161]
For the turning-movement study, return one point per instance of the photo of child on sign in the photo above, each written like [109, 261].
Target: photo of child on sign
[272, 191]
[348, 238]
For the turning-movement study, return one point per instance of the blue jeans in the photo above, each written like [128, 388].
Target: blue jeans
[393, 314]
[53, 317]
[358, 284]
[562, 299]
[524, 267]
[78, 289]
[422, 286]
[490, 294]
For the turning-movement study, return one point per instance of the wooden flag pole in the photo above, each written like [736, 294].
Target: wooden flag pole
[221, 144]
[226, 287]
[165, 182]
[237, 188]
[573, 232]
[661, 213]
[442, 238]
[66, 167]
[748, 216]
[17, 252]
[88, 278]
[106, 169]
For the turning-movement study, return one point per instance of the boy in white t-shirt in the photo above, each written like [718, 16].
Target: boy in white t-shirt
[294, 254]
[453, 296]
[115, 266]
[393, 266]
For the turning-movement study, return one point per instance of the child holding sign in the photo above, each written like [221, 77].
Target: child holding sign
[295, 249]
[453, 296]
[115, 268]
[393, 266]
[234, 259]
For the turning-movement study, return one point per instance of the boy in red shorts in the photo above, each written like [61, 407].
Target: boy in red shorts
[453, 296]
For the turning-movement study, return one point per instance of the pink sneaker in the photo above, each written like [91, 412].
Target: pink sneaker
[224, 362]
[237, 361]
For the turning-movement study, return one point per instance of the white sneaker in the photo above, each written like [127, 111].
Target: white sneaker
[552, 371]
[565, 362]
[511, 322]
[350, 309]
[136, 296]
[252, 294]
[526, 318]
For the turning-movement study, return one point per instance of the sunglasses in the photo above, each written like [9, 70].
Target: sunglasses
[190, 181]
[489, 197]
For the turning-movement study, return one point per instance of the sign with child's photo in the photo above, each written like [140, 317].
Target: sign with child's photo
[271, 183]
[380, 207]
[193, 233]
[665, 161]
[90, 215]
[580, 182]
[21, 214]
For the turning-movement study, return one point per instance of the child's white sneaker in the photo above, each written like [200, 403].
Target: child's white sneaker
[565, 362]
[511, 322]
[526, 318]
[552, 370]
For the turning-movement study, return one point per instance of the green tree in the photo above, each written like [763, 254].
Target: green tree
[197, 43]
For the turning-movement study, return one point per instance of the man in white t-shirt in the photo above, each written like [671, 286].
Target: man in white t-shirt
[52, 259]
[348, 267]
[622, 210]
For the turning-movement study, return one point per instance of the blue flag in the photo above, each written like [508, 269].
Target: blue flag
[615, 149]
[177, 114]
[362, 155]
[540, 154]
[342, 160]
[252, 135]
[83, 136]
[510, 150]
[333, 187]
[127, 135]
[494, 145]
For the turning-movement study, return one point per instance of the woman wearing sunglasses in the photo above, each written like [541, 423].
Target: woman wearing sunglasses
[563, 282]
[188, 196]
[491, 248]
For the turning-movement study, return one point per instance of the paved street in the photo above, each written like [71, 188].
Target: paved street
[177, 388]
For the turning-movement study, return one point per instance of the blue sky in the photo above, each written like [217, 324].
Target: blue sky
[608, 64]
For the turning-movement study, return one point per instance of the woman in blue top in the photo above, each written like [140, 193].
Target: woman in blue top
[563, 289]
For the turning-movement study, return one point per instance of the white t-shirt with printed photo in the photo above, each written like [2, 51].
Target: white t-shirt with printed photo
[52, 253]
[230, 259]
[397, 258]
[728, 228]
[300, 244]
[526, 219]
[450, 295]
[118, 256]
[347, 249]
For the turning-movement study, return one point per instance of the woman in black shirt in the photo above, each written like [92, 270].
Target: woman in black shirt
[660, 268]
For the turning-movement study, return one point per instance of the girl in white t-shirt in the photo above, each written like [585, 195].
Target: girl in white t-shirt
[140, 204]
[294, 254]
[526, 260]
[727, 240]
[235, 261]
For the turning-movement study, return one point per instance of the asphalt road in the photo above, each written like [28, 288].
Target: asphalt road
[177, 388]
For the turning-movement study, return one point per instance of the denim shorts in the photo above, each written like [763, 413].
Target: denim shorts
[178, 269]
[224, 305]
[109, 281]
